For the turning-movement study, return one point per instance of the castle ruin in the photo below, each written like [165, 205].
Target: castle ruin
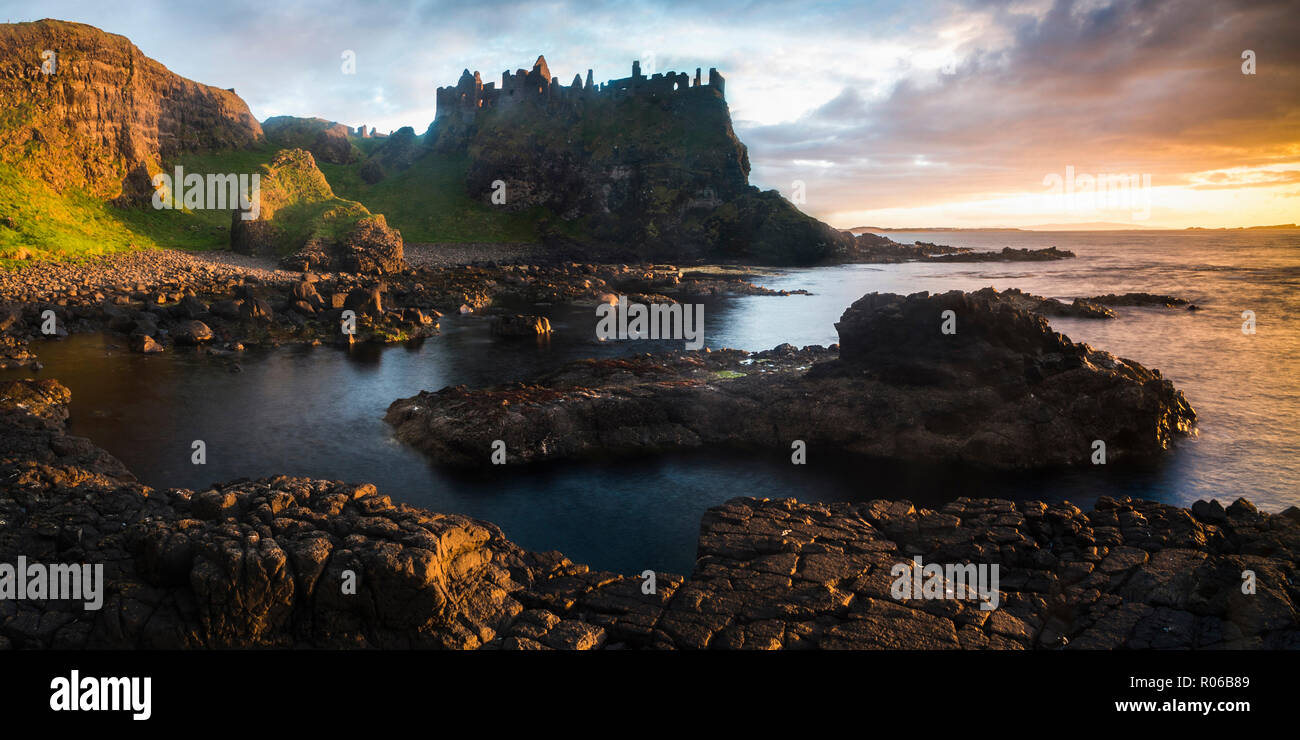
[470, 94]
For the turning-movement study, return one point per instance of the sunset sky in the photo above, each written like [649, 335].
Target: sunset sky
[892, 114]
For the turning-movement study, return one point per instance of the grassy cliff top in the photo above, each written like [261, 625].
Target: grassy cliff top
[427, 203]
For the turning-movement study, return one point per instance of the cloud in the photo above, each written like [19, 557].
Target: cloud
[1245, 177]
[1122, 87]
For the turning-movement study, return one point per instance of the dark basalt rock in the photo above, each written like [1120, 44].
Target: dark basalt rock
[255, 309]
[144, 344]
[190, 307]
[1004, 391]
[873, 248]
[520, 325]
[1080, 308]
[247, 564]
[370, 248]
[1129, 574]
[193, 332]
[1138, 299]
[1008, 254]
[365, 301]
[263, 564]
[994, 336]
[44, 399]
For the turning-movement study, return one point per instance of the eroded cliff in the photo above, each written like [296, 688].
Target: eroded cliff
[87, 109]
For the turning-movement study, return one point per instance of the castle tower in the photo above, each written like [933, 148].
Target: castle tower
[715, 80]
[541, 69]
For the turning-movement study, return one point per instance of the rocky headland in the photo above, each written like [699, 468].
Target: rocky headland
[265, 563]
[1002, 391]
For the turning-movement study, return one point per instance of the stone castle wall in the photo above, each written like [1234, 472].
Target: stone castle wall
[470, 94]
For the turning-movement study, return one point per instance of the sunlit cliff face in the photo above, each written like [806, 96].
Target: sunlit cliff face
[959, 113]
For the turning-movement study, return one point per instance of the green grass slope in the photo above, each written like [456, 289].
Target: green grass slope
[42, 223]
[428, 203]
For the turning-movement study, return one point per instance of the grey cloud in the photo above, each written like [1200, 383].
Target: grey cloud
[1152, 87]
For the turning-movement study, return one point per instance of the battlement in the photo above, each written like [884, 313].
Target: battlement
[470, 94]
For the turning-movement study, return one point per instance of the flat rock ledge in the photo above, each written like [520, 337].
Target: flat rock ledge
[1003, 392]
[263, 564]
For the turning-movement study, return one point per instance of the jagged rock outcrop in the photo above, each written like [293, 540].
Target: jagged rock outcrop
[252, 564]
[106, 116]
[644, 167]
[326, 140]
[300, 215]
[1079, 308]
[1004, 391]
[397, 153]
[371, 247]
[44, 399]
[268, 563]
